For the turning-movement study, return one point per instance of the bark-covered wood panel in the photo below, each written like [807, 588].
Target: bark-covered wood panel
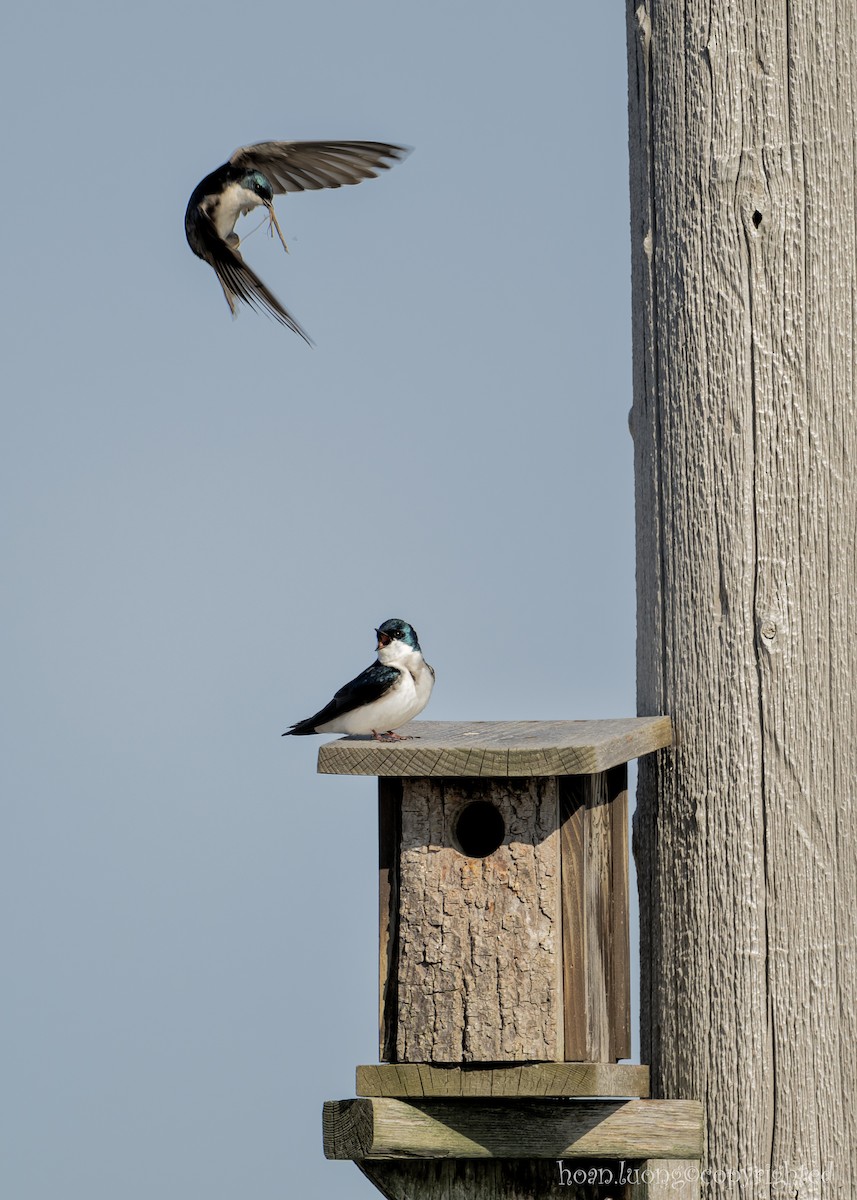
[479, 972]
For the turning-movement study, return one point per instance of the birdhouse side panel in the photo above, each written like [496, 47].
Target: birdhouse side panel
[479, 965]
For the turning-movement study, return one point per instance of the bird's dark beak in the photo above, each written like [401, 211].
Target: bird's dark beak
[384, 639]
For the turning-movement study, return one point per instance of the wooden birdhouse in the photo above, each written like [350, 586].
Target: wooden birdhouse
[504, 956]
[504, 887]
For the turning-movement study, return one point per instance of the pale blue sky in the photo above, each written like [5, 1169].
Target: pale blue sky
[205, 520]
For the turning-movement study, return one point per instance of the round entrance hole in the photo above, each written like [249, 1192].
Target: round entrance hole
[479, 829]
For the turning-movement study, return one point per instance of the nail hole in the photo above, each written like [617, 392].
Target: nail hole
[757, 218]
[480, 829]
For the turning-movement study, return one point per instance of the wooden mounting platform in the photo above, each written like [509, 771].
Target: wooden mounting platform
[476, 1129]
[503, 749]
[421, 1080]
[528, 1178]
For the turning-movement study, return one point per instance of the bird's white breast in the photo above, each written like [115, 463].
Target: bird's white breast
[394, 708]
[423, 677]
[403, 701]
[225, 208]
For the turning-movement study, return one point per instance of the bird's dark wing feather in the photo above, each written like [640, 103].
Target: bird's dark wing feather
[237, 279]
[369, 685]
[307, 166]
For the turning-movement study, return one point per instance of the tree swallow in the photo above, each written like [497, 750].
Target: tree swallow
[386, 695]
[253, 176]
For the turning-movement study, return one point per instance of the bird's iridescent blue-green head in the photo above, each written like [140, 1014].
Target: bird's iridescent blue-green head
[396, 630]
[255, 181]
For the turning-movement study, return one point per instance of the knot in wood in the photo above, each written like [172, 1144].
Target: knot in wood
[768, 631]
[755, 216]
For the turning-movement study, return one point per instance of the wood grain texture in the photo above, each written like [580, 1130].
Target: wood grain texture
[479, 949]
[596, 945]
[417, 1080]
[664, 1179]
[385, 1128]
[572, 815]
[499, 748]
[618, 956]
[743, 218]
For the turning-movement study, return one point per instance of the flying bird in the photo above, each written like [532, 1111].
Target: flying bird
[252, 177]
[386, 695]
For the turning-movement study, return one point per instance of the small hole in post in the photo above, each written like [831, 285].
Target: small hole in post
[757, 218]
[480, 829]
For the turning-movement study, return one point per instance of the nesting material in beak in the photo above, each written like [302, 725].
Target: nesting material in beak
[275, 224]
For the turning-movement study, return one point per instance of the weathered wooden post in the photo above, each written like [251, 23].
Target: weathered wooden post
[743, 135]
[504, 972]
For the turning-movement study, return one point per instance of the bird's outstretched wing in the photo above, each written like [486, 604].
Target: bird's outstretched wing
[239, 282]
[308, 166]
[369, 685]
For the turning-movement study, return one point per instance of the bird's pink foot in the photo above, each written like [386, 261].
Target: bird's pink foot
[389, 736]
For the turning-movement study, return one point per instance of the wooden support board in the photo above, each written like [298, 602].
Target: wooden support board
[635, 1129]
[526, 1178]
[596, 948]
[421, 1080]
[499, 748]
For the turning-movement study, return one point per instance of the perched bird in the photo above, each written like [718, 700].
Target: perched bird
[386, 695]
[252, 177]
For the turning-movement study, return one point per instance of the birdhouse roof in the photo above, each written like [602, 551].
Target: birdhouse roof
[499, 748]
